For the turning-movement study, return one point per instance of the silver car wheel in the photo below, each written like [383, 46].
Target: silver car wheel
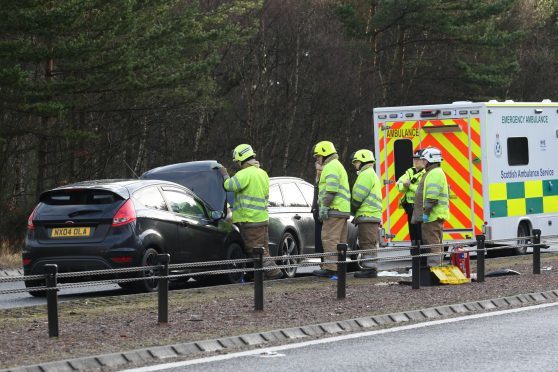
[289, 247]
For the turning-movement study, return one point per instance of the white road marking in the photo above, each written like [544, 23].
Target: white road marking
[275, 349]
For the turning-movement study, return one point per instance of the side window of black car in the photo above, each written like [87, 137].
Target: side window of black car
[151, 198]
[275, 197]
[183, 203]
[292, 195]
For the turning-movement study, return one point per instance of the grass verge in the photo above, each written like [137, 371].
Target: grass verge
[10, 255]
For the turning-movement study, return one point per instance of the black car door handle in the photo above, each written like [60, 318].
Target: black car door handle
[184, 223]
[297, 217]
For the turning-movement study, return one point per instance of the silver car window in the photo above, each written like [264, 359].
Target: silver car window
[307, 191]
[275, 197]
[292, 195]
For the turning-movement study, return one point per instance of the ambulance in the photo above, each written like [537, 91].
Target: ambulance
[500, 158]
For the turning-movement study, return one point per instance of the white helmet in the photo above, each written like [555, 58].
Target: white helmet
[431, 155]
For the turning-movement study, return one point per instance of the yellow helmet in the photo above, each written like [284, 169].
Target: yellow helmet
[365, 156]
[243, 152]
[324, 148]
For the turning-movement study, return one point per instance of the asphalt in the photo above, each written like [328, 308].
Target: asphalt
[169, 353]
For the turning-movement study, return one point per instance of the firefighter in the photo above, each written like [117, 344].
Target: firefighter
[334, 201]
[407, 184]
[251, 192]
[432, 202]
[366, 202]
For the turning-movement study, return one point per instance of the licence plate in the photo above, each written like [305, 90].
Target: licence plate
[70, 232]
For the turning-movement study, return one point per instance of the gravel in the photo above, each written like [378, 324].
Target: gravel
[111, 324]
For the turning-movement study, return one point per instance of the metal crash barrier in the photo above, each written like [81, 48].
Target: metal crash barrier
[418, 254]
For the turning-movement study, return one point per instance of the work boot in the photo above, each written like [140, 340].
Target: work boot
[324, 273]
[273, 274]
[368, 273]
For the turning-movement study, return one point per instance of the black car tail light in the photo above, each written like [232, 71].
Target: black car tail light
[125, 214]
[26, 261]
[30, 225]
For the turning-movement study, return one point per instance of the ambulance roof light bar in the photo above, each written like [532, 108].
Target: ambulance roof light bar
[429, 113]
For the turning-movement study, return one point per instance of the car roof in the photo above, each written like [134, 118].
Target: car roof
[285, 179]
[122, 187]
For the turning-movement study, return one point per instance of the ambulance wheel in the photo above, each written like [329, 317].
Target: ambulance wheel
[522, 231]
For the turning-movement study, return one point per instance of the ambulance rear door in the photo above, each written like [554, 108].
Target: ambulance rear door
[398, 136]
[456, 132]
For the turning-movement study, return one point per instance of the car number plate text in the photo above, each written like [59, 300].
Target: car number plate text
[69, 232]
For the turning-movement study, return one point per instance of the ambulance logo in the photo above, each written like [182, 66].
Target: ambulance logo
[498, 146]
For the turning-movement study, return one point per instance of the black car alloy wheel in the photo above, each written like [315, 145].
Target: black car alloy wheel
[235, 252]
[149, 259]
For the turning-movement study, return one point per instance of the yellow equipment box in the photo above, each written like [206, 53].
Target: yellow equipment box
[449, 274]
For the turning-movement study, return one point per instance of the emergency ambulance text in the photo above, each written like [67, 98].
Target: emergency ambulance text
[521, 119]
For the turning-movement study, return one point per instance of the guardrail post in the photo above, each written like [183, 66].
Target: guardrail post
[536, 251]
[481, 251]
[341, 270]
[163, 260]
[415, 252]
[258, 279]
[51, 270]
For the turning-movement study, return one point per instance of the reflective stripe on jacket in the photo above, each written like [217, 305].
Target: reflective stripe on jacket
[414, 177]
[436, 188]
[334, 180]
[367, 195]
[251, 192]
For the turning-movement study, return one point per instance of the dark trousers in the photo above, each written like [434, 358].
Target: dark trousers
[319, 248]
[415, 229]
[318, 236]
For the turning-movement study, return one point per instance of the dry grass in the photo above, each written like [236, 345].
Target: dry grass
[10, 255]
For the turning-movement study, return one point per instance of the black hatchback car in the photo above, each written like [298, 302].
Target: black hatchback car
[109, 224]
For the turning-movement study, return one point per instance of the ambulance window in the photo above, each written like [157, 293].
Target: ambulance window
[403, 155]
[518, 151]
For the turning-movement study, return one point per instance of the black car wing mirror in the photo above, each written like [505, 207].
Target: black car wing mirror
[217, 215]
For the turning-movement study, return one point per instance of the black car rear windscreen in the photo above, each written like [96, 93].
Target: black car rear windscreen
[79, 197]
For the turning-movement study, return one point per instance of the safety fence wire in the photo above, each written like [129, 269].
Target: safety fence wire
[20, 278]
[210, 263]
[492, 241]
[244, 270]
[24, 290]
[78, 274]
